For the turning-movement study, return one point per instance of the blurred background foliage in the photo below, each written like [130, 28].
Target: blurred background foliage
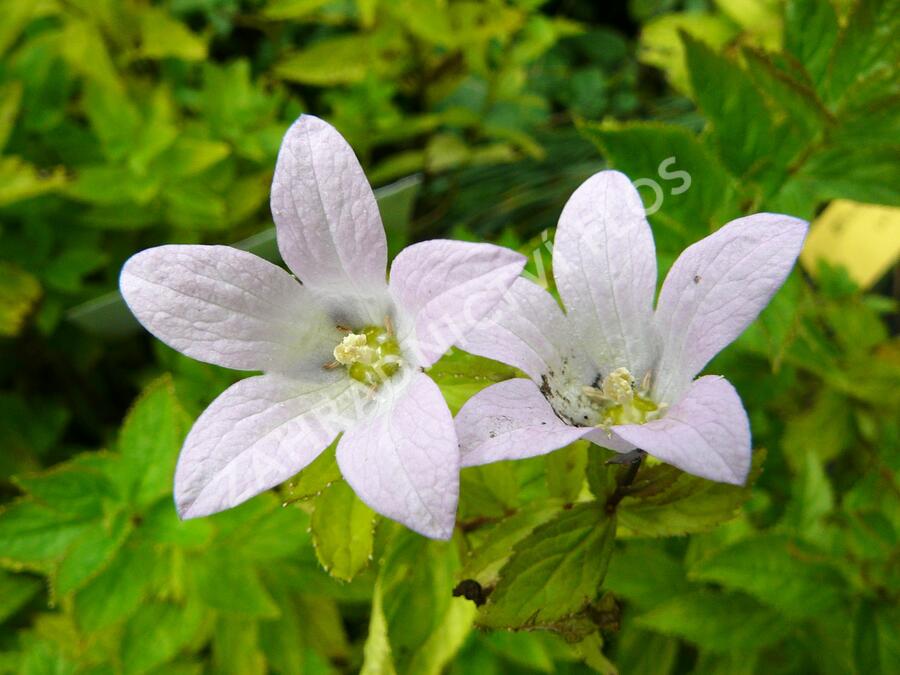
[129, 123]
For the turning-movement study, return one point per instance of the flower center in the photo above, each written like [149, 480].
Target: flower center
[620, 400]
[371, 356]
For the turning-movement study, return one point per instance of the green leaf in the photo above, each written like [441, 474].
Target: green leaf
[694, 188]
[314, 478]
[377, 658]
[149, 441]
[292, 9]
[19, 292]
[777, 571]
[661, 47]
[719, 622]
[235, 647]
[688, 504]
[117, 592]
[866, 173]
[338, 60]
[867, 50]
[163, 36]
[190, 156]
[645, 574]
[493, 544]
[565, 471]
[10, 98]
[90, 554]
[84, 50]
[555, 571]
[21, 180]
[73, 489]
[33, 535]
[343, 531]
[155, 635]
[793, 100]
[810, 31]
[876, 645]
[15, 591]
[461, 375]
[743, 128]
[228, 583]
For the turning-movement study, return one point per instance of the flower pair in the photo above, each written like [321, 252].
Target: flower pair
[343, 353]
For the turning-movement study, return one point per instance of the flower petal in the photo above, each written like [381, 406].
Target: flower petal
[446, 287]
[527, 330]
[511, 420]
[605, 268]
[706, 433]
[328, 225]
[716, 288]
[404, 463]
[225, 306]
[259, 432]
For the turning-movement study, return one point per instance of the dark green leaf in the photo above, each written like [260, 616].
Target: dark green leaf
[555, 571]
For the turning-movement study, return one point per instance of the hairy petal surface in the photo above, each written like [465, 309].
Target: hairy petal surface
[511, 420]
[604, 263]
[446, 287]
[228, 307]
[527, 330]
[706, 433]
[258, 433]
[716, 288]
[404, 462]
[328, 226]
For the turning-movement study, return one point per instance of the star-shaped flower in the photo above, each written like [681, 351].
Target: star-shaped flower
[613, 370]
[341, 353]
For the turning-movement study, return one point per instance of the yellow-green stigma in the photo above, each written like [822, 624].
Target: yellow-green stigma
[622, 401]
[370, 356]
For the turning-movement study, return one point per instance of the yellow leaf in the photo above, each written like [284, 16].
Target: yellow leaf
[863, 238]
[18, 292]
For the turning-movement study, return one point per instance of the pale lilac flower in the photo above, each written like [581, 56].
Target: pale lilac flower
[613, 370]
[341, 353]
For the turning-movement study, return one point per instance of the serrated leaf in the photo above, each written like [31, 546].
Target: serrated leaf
[718, 622]
[694, 187]
[33, 535]
[494, 543]
[689, 504]
[71, 489]
[810, 30]
[15, 591]
[90, 554]
[748, 139]
[866, 49]
[343, 531]
[154, 635]
[660, 45]
[227, 583]
[554, 572]
[322, 472]
[149, 441]
[778, 572]
[117, 592]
